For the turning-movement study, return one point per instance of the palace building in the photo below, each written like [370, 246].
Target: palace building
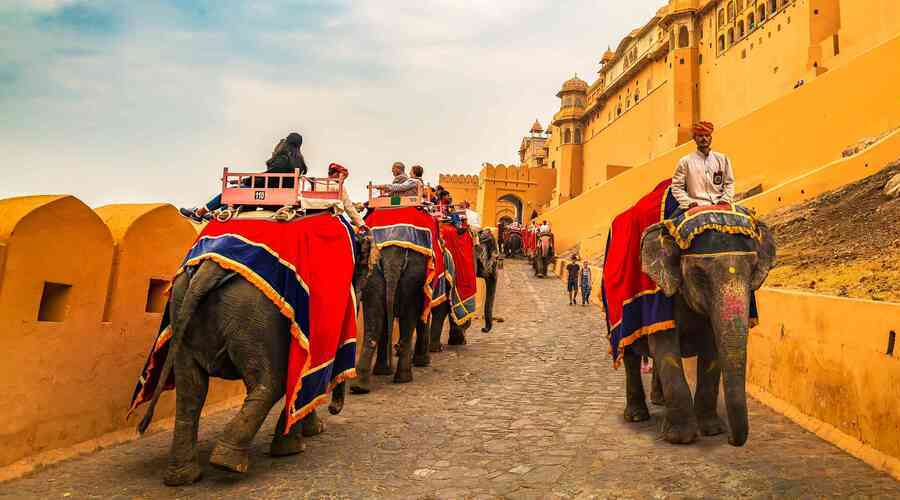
[715, 60]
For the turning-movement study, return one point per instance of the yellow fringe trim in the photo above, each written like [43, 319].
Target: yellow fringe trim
[685, 242]
[643, 332]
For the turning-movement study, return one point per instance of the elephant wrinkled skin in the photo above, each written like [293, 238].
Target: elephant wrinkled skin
[712, 296]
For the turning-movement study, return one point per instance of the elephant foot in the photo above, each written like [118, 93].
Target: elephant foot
[403, 376]
[382, 370]
[436, 348]
[360, 387]
[657, 398]
[637, 412]
[229, 458]
[421, 361]
[486, 328]
[679, 433]
[183, 474]
[336, 405]
[456, 339]
[312, 425]
[284, 445]
[710, 426]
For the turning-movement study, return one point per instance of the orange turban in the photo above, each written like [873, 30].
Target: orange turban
[703, 128]
[338, 169]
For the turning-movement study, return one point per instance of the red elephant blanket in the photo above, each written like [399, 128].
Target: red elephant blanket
[462, 282]
[305, 268]
[416, 230]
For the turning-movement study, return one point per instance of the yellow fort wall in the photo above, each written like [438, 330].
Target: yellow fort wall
[81, 295]
[801, 131]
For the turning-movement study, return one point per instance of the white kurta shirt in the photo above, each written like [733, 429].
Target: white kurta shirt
[704, 180]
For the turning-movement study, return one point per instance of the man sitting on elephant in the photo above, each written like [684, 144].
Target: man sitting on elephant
[703, 177]
[403, 185]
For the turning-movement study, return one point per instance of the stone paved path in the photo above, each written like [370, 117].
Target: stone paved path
[531, 410]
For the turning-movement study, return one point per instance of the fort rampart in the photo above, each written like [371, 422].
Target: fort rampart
[81, 297]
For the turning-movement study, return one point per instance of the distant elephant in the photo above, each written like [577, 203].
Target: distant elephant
[486, 256]
[392, 289]
[224, 326]
[513, 244]
[712, 296]
[543, 254]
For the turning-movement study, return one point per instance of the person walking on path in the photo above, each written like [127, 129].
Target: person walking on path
[585, 282]
[573, 269]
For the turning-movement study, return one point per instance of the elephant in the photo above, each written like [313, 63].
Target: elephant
[486, 256]
[712, 295]
[543, 254]
[223, 326]
[513, 244]
[392, 289]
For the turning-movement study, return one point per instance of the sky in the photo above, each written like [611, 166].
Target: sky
[140, 102]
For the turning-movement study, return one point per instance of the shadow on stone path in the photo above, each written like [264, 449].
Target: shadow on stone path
[530, 410]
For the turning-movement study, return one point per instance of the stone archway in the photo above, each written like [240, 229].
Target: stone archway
[517, 205]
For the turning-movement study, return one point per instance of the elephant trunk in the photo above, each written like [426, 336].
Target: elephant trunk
[730, 321]
[393, 270]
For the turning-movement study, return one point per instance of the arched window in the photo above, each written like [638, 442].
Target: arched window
[740, 31]
[730, 11]
[567, 136]
[637, 96]
[721, 17]
[577, 136]
[721, 43]
[761, 12]
[740, 5]
[751, 22]
[671, 39]
[773, 6]
[730, 37]
[684, 38]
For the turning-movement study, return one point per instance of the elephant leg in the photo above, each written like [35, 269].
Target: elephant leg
[438, 315]
[408, 320]
[383, 357]
[284, 445]
[312, 425]
[232, 450]
[490, 292]
[635, 398]
[192, 384]
[656, 391]
[457, 334]
[423, 342]
[374, 326]
[337, 399]
[680, 424]
[708, 375]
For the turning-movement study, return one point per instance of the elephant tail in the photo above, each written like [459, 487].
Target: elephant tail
[187, 294]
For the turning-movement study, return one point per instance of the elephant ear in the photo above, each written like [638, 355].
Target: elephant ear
[661, 259]
[765, 256]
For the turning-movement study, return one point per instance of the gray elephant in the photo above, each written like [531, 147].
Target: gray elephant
[712, 294]
[393, 288]
[486, 259]
[543, 254]
[513, 245]
[224, 326]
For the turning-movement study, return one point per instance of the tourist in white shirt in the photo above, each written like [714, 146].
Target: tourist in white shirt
[336, 171]
[703, 177]
[545, 227]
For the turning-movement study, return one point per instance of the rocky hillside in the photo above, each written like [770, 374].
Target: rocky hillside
[845, 242]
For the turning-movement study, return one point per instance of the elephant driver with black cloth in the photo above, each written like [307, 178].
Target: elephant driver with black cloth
[704, 177]
[337, 171]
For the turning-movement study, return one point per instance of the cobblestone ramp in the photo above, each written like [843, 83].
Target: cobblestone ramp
[530, 410]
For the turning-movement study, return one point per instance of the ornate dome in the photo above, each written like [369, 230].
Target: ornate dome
[574, 83]
[536, 128]
[609, 55]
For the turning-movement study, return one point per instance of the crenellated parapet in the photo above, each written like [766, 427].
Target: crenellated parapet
[82, 293]
[457, 179]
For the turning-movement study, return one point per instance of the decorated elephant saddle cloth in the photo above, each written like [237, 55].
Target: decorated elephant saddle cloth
[305, 267]
[700, 230]
[416, 230]
[459, 275]
[635, 306]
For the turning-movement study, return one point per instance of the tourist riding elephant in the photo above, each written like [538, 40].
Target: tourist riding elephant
[713, 295]
[392, 289]
[543, 254]
[224, 326]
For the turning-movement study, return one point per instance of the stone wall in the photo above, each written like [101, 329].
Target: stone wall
[81, 297]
